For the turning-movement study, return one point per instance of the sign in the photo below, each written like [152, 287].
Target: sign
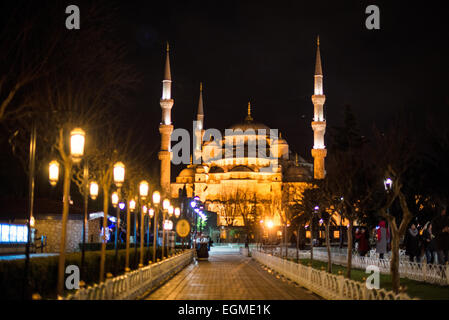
[183, 228]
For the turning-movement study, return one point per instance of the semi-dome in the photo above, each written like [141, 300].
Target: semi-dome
[187, 172]
[294, 173]
[241, 169]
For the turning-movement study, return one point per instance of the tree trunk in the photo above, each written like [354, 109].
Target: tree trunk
[349, 262]
[105, 225]
[65, 215]
[328, 245]
[394, 262]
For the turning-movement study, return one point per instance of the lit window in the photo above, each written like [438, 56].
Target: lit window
[5, 233]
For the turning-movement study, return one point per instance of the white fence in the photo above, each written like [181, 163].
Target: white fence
[327, 285]
[134, 284]
[430, 273]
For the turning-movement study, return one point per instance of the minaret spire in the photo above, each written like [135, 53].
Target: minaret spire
[200, 102]
[319, 151]
[166, 127]
[199, 129]
[248, 117]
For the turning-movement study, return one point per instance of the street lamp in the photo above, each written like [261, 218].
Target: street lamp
[119, 179]
[156, 201]
[165, 204]
[177, 212]
[143, 191]
[77, 139]
[165, 207]
[132, 205]
[170, 211]
[53, 172]
[114, 199]
[119, 174]
[388, 183]
[94, 190]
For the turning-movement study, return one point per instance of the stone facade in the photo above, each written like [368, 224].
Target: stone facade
[51, 228]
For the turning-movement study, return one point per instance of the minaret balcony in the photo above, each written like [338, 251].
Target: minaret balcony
[318, 99]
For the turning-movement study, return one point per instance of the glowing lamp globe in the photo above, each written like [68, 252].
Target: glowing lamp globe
[170, 210]
[132, 205]
[165, 204]
[32, 222]
[114, 199]
[77, 139]
[143, 189]
[94, 190]
[119, 174]
[53, 172]
[177, 212]
[144, 209]
[151, 213]
[156, 197]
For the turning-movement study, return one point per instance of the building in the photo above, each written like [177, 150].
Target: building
[248, 175]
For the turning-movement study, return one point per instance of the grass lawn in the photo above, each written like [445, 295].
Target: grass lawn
[415, 289]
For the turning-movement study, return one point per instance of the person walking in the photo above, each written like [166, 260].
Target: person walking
[383, 237]
[441, 230]
[362, 238]
[428, 241]
[412, 248]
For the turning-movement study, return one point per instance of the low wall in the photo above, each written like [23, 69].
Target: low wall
[326, 285]
[134, 284]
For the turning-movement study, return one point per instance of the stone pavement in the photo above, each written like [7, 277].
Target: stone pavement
[229, 276]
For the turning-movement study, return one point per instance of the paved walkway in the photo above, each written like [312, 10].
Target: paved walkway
[229, 276]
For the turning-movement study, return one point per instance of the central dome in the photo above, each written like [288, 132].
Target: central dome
[249, 123]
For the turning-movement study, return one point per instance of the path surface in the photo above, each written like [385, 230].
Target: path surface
[228, 275]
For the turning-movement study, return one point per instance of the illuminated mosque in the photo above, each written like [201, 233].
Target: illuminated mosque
[243, 187]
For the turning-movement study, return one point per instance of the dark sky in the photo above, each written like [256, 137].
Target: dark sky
[264, 51]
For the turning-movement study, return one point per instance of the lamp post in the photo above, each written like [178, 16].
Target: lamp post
[171, 211]
[388, 183]
[143, 190]
[31, 167]
[132, 208]
[119, 178]
[165, 206]
[150, 216]
[156, 201]
[77, 139]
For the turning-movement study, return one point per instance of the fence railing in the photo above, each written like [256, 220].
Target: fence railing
[135, 283]
[430, 273]
[326, 285]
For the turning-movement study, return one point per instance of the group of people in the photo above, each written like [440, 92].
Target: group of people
[382, 236]
[430, 241]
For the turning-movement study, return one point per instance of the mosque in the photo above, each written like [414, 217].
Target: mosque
[244, 187]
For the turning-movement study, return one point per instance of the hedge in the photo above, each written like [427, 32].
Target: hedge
[43, 271]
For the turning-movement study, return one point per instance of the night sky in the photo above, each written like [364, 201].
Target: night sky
[264, 51]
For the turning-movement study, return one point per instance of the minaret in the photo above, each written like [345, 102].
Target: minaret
[166, 128]
[199, 128]
[319, 151]
[248, 117]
